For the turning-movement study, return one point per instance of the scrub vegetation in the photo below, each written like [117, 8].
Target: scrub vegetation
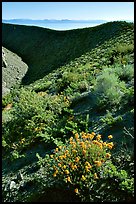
[68, 126]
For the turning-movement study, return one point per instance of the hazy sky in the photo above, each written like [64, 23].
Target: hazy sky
[69, 10]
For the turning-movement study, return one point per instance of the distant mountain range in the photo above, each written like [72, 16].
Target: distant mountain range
[31, 21]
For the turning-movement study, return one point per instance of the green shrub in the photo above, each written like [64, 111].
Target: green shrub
[108, 89]
[7, 99]
[128, 98]
[34, 116]
[83, 86]
[125, 48]
[125, 72]
[108, 119]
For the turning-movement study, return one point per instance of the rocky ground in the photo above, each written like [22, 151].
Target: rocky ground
[13, 70]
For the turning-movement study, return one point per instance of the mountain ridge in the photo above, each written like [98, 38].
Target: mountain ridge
[54, 48]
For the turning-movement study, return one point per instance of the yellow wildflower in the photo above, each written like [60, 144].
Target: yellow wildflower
[56, 150]
[89, 146]
[71, 139]
[88, 164]
[66, 171]
[76, 190]
[81, 143]
[90, 136]
[55, 167]
[110, 136]
[93, 133]
[84, 136]
[104, 144]
[22, 141]
[74, 151]
[64, 167]
[76, 136]
[66, 151]
[51, 156]
[108, 155]
[95, 142]
[87, 168]
[110, 145]
[61, 157]
[68, 179]
[98, 137]
[73, 167]
[95, 176]
[54, 175]
[64, 156]
[98, 163]
[83, 178]
[102, 160]
[100, 145]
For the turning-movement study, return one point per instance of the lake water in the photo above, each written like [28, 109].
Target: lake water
[64, 25]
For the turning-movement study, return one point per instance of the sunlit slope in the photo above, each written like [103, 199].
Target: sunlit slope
[45, 50]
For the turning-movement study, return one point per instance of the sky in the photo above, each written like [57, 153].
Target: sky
[109, 11]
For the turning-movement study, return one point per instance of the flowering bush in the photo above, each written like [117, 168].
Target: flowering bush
[83, 164]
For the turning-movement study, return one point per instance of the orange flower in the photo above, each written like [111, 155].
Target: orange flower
[98, 163]
[76, 136]
[77, 159]
[59, 164]
[84, 152]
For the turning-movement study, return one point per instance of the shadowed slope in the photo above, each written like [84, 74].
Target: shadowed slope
[45, 50]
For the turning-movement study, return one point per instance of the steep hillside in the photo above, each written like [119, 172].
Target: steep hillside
[45, 50]
[69, 135]
[13, 70]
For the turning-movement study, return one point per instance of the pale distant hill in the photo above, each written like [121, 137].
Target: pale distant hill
[31, 21]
